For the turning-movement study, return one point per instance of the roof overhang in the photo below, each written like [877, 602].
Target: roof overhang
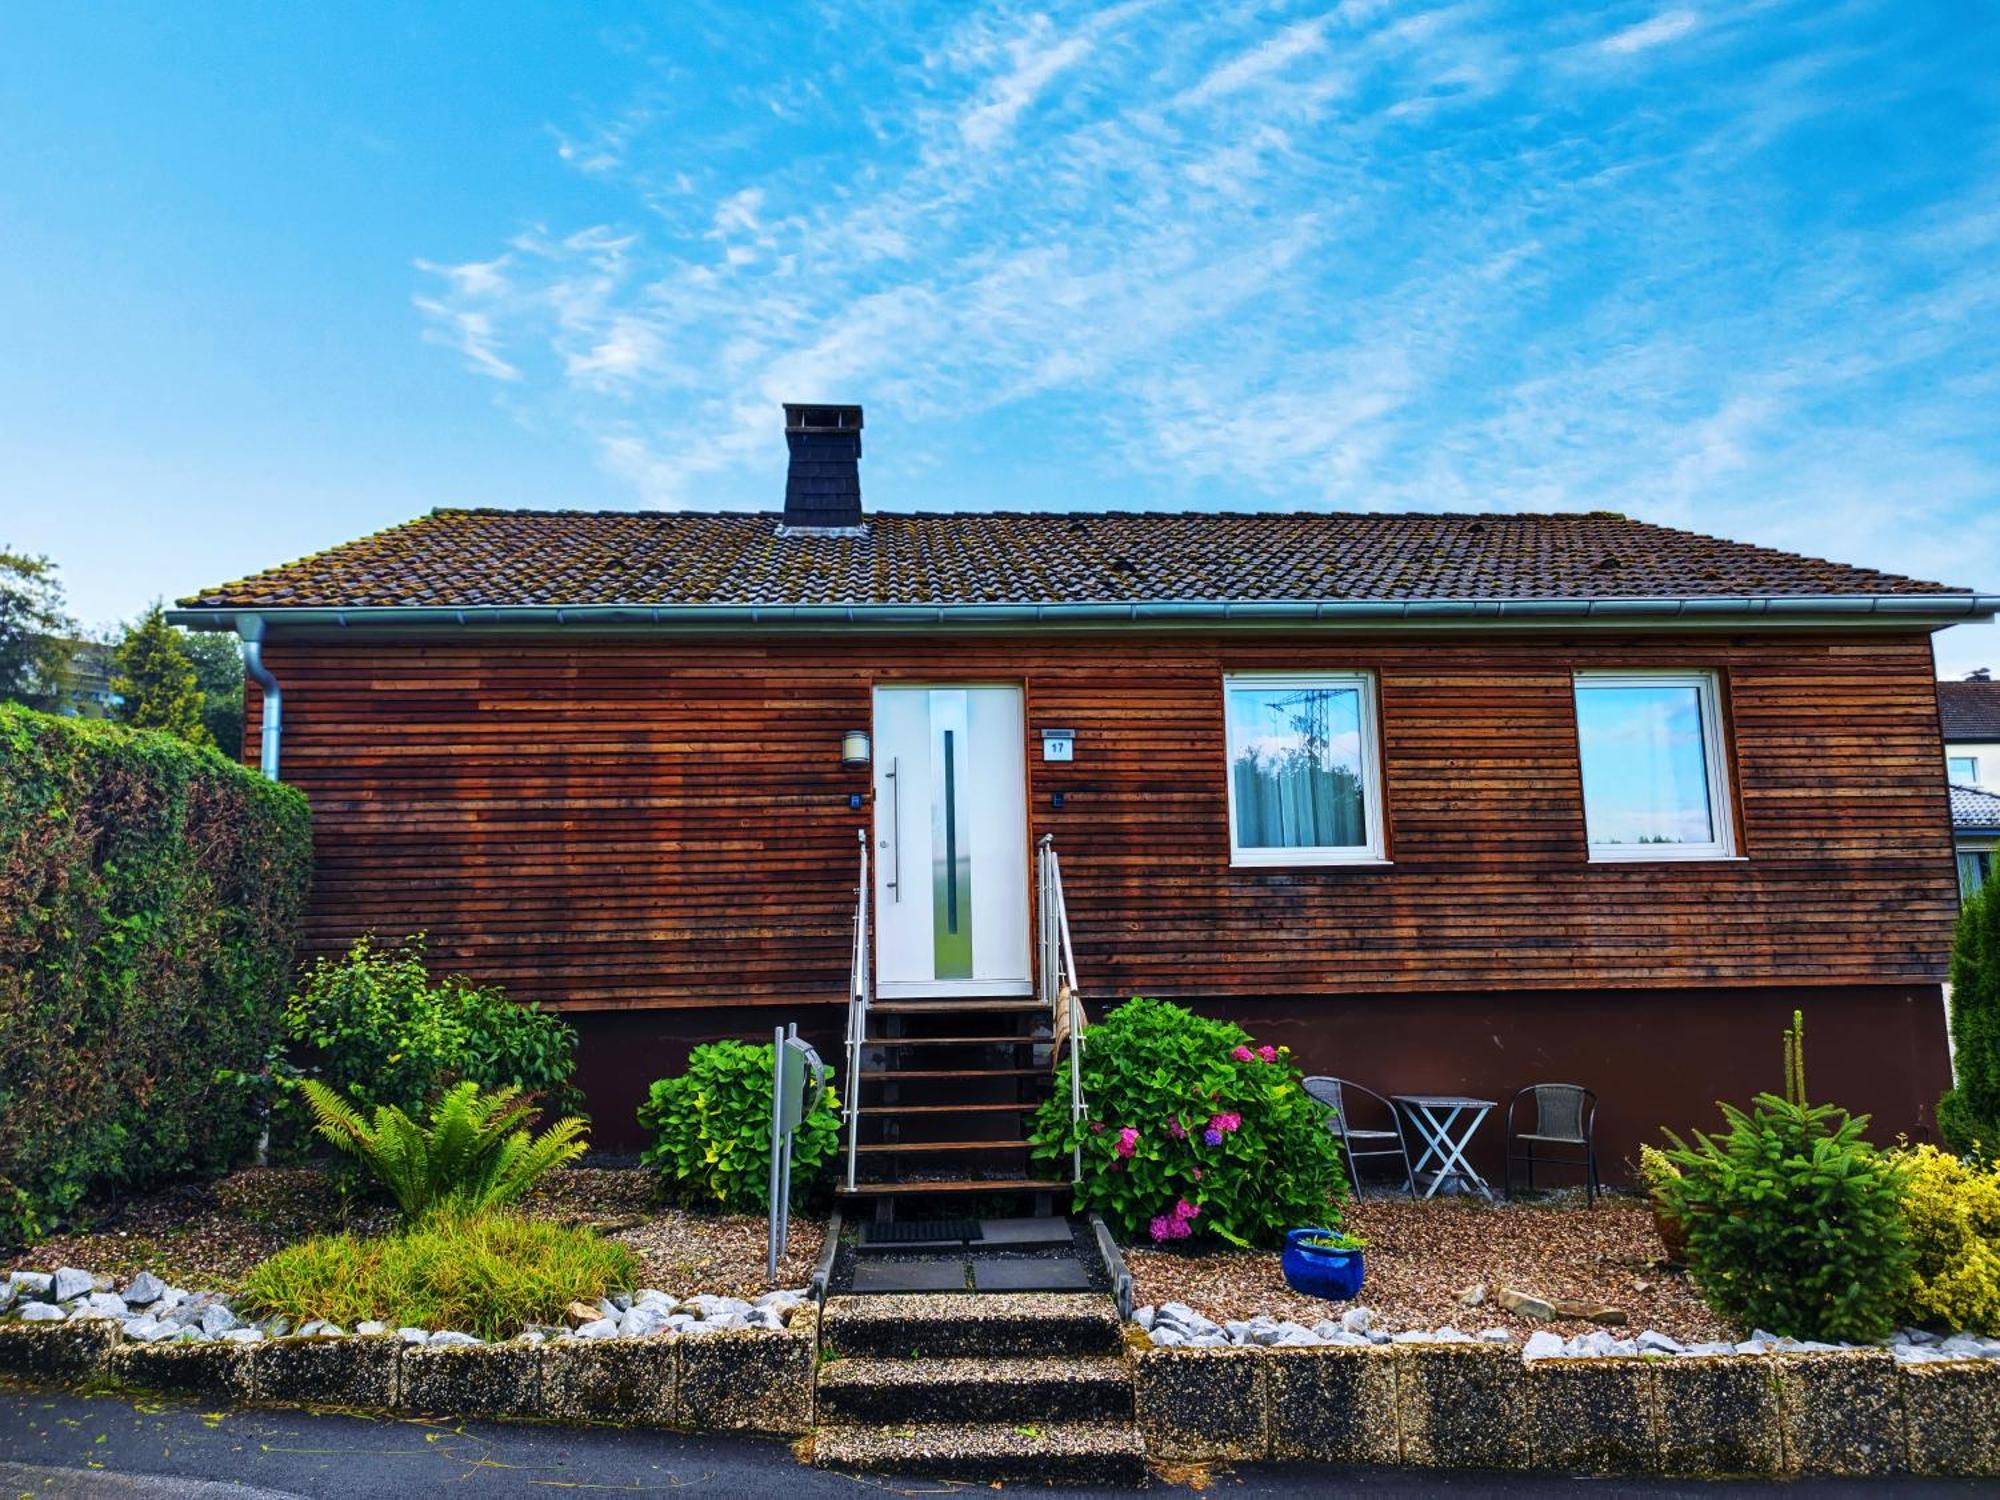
[1901, 610]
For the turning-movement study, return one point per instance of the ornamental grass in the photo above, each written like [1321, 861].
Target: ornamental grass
[488, 1274]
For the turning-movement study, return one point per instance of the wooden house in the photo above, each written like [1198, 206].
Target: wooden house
[1440, 801]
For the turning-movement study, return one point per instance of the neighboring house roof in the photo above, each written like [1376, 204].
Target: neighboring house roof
[1974, 811]
[485, 558]
[1969, 711]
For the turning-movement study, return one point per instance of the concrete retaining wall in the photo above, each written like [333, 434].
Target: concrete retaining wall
[1853, 1413]
[743, 1381]
[1474, 1405]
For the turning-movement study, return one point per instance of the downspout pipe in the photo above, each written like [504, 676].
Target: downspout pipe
[251, 628]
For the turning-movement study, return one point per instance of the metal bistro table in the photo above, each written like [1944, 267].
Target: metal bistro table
[1446, 1124]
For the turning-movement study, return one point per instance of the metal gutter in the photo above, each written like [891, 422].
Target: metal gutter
[251, 628]
[1884, 609]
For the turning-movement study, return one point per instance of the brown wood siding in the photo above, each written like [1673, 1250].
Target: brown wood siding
[609, 822]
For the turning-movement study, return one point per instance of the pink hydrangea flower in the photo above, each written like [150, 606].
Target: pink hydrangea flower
[1243, 1054]
[1161, 1228]
[1186, 1210]
[1223, 1124]
[1097, 1127]
[1177, 1130]
[1128, 1141]
[1268, 1053]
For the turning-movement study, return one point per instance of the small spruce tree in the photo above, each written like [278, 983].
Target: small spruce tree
[155, 676]
[1969, 1116]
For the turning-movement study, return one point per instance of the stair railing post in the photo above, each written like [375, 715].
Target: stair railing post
[857, 1008]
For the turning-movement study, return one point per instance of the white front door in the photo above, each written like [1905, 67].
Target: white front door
[951, 842]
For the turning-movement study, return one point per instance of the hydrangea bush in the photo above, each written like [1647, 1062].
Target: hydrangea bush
[1193, 1130]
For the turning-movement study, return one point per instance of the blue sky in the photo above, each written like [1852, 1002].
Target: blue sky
[273, 276]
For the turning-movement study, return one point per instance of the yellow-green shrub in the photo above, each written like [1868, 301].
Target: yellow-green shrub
[1952, 1208]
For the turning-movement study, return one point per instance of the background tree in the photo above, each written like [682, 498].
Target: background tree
[156, 677]
[34, 631]
[1969, 1116]
[218, 668]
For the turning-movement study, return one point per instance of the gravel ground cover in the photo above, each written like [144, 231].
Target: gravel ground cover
[1420, 1256]
[212, 1234]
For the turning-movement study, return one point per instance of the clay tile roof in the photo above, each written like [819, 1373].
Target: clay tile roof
[1972, 808]
[1969, 710]
[526, 557]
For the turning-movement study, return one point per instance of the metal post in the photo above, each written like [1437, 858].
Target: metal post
[776, 1232]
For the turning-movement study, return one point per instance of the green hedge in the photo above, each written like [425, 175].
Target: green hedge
[150, 896]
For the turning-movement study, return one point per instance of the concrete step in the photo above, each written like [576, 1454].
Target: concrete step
[959, 1325]
[890, 1391]
[1072, 1453]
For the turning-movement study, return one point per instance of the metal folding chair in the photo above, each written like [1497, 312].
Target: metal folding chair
[1565, 1115]
[1355, 1143]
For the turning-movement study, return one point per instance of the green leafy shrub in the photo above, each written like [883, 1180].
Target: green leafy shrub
[474, 1153]
[711, 1130]
[1794, 1222]
[484, 1274]
[383, 1031]
[1969, 1115]
[1193, 1131]
[150, 896]
[1952, 1208]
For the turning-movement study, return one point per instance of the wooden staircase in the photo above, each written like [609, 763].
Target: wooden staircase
[949, 1089]
[941, 1092]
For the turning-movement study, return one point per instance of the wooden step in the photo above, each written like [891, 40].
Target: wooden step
[893, 1075]
[876, 1111]
[897, 1148]
[955, 1185]
[954, 1007]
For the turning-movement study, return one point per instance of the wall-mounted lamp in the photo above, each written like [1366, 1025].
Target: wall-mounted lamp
[854, 749]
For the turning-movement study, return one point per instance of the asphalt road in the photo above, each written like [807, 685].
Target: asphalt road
[60, 1446]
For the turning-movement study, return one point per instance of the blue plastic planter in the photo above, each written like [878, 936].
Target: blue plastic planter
[1332, 1274]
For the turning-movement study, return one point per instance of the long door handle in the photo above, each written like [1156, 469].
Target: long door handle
[895, 880]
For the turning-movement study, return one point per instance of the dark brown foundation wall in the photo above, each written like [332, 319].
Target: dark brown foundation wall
[1655, 1057]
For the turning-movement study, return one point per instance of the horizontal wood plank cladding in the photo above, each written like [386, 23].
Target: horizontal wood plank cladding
[606, 823]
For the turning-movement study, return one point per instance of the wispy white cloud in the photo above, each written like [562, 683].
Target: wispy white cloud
[1655, 31]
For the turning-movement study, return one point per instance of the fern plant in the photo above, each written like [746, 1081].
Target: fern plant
[476, 1152]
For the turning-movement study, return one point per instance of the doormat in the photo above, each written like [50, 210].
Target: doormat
[920, 1232]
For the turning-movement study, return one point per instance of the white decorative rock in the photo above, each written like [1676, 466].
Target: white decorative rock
[241, 1336]
[215, 1318]
[1167, 1338]
[1495, 1336]
[1543, 1345]
[451, 1338]
[30, 1283]
[371, 1326]
[601, 1328]
[70, 1282]
[144, 1289]
[1357, 1320]
[415, 1336]
[42, 1312]
[1144, 1317]
[1652, 1341]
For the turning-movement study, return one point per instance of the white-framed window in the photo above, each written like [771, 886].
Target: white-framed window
[1305, 787]
[1654, 781]
[1975, 868]
[1962, 770]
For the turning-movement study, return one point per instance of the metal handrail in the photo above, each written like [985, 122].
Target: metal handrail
[860, 988]
[1056, 975]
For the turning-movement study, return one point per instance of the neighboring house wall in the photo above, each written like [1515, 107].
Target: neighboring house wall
[662, 824]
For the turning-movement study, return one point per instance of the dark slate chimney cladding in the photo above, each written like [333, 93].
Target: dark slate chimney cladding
[823, 484]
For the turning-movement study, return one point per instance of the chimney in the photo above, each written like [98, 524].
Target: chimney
[823, 484]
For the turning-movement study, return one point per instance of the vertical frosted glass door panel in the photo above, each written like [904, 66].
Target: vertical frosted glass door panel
[951, 841]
